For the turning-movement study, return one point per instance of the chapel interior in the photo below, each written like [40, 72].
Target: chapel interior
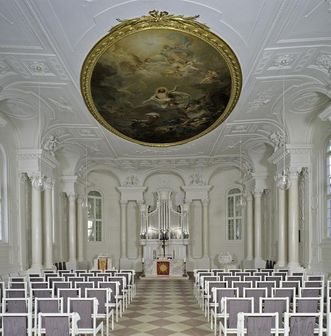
[252, 190]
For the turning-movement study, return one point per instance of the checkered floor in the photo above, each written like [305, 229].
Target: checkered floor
[162, 308]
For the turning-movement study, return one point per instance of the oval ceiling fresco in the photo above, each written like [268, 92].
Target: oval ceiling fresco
[161, 80]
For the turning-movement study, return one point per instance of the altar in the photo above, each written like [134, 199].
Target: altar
[164, 267]
[164, 236]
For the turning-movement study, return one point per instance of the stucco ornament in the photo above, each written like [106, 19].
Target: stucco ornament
[225, 258]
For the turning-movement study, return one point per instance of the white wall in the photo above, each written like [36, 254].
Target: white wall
[11, 254]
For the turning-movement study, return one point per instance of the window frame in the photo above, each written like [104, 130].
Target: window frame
[94, 219]
[234, 217]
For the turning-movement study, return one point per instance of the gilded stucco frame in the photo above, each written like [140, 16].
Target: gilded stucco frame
[161, 20]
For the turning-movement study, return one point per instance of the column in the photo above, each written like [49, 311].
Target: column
[257, 229]
[293, 221]
[205, 224]
[72, 228]
[36, 225]
[48, 229]
[80, 229]
[123, 229]
[281, 262]
[249, 231]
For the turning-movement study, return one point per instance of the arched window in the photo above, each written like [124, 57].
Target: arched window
[234, 214]
[94, 216]
[328, 187]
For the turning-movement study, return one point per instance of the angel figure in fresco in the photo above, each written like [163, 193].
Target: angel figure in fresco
[165, 98]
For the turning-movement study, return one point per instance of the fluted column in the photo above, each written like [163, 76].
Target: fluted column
[72, 228]
[123, 228]
[293, 221]
[205, 211]
[36, 223]
[257, 228]
[281, 262]
[80, 229]
[48, 230]
[249, 231]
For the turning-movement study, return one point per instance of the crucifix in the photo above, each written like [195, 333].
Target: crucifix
[164, 237]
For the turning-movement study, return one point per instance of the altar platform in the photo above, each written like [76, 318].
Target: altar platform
[164, 268]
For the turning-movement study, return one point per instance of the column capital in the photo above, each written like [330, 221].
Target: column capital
[49, 183]
[23, 178]
[37, 181]
[294, 174]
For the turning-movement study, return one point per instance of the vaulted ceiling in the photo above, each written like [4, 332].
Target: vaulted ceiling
[280, 44]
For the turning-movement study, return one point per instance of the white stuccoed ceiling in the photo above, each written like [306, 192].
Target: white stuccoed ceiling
[43, 44]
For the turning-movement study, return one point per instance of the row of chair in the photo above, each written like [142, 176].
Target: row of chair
[304, 295]
[65, 293]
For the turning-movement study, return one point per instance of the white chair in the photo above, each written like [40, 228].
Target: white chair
[256, 324]
[233, 306]
[57, 324]
[87, 308]
[13, 324]
[104, 309]
[303, 324]
[217, 311]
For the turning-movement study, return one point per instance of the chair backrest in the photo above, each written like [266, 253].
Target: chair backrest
[262, 274]
[311, 292]
[16, 324]
[75, 279]
[276, 278]
[19, 305]
[60, 284]
[319, 277]
[95, 280]
[241, 285]
[207, 279]
[56, 324]
[267, 270]
[102, 295]
[15, 293]
[295, 278]
[86, 275]
[17, 285]
[234, 271]
[214, 284]
[83, 285]
[283, 292]
[36, 279]
[114, 288]
[255, 293]
[38, 285]
[215, 270]
[275, 305]
[301, 324]
[307, 305]
[220, 293]
[233, 306]
[283, 275]
[291, 284]
[266, 284]
[53, 279]
[67, 293]
[223, 274]
[87, 310]
[242, 275]
[313, 283]
[48, 305]
[67, 276]
[17, 279]
[261, 324]
[42, 293]
[121, 282]
[253, 278]
[229, 279]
